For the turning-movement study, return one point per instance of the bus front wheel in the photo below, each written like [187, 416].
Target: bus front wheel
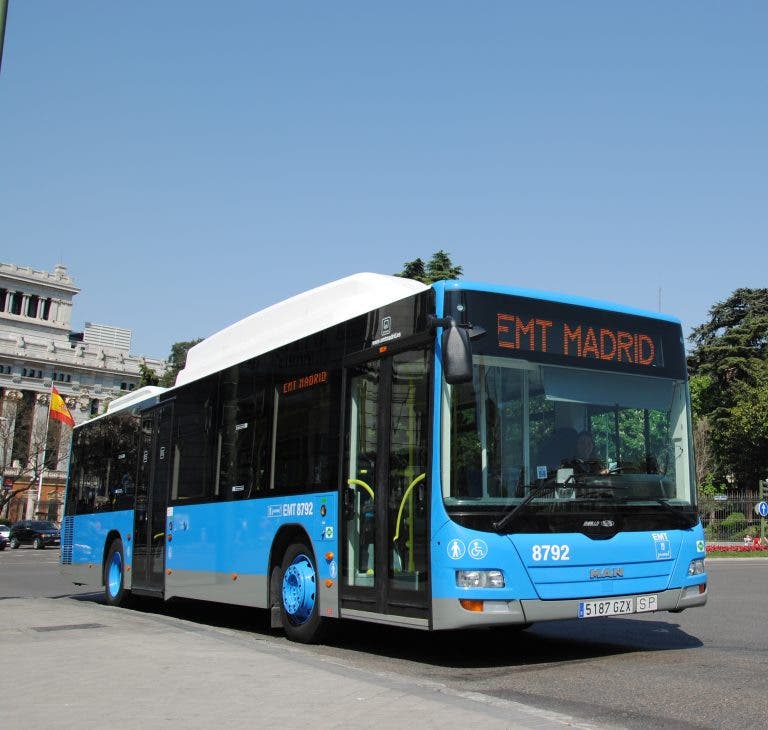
[299, 595]
[114, 575]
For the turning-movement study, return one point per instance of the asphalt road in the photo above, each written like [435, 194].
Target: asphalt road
[704, 668]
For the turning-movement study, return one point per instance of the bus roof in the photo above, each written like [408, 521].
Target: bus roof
[553, 297]
[135, 396]
[304, 314]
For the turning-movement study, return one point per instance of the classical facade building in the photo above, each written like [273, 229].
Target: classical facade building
[39, 350]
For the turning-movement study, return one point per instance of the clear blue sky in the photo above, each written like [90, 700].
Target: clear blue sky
[192, 162]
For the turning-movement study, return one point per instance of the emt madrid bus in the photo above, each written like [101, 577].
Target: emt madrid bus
[439, 457]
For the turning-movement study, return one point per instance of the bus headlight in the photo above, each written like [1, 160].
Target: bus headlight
[480, 579]
[696, 567]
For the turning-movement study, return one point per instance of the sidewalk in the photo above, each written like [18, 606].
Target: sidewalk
[79, 664]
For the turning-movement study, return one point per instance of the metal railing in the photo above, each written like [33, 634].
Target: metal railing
[732, 517]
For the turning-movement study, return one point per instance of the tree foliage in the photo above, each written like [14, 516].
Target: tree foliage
[176, 361]
[439, 268]
[729, 386]
[148, 376]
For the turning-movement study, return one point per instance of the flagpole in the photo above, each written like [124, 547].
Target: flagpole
[45, 448]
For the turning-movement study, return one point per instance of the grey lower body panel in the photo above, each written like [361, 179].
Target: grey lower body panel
[449, 614]
[237, 589]
[88, 574]
[240, 590]
[385, 618]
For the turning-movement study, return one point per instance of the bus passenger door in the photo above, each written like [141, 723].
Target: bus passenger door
[155, 459]
[384, 522]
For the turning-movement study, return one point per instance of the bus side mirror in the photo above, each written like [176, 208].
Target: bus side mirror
[457, 355]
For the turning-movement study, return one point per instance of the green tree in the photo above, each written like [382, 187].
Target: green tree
[729, 377]
[747, 432]
[148, 376]
[176, 361]
[439, 268]
[414, 270]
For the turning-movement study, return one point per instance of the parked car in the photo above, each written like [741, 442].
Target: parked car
[5, 531]
[38, 533]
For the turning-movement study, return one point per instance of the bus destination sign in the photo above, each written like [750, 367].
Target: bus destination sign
[578, 339]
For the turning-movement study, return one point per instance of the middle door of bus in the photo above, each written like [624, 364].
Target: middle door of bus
[149, 536]
[384, 521]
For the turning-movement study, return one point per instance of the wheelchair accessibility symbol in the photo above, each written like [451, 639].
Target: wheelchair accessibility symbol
[477, 549]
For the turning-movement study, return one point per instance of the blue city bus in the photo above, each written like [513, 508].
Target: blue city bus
[439, 457]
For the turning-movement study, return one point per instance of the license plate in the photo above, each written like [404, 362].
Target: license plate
[618, 606]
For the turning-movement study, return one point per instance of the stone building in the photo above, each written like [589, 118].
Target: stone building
[38, 350]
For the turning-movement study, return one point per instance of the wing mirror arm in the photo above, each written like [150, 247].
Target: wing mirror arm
[456, 348]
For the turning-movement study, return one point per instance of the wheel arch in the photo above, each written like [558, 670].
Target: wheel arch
[112, 535]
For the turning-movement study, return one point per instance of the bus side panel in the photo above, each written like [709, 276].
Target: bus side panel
[220, 552]
[84, 543]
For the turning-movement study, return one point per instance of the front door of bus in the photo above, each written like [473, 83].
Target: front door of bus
[152, 500]
[384, 522]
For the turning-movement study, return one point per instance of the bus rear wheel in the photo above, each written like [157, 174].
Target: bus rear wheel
[299, 595]
[115, 593]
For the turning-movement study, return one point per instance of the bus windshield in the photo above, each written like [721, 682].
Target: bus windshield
[568, 441]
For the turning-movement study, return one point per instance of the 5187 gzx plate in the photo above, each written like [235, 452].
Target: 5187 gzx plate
[618, 606]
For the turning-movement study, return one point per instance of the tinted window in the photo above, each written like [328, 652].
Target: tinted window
[193, 445]
[44, 526]
[244, 432]
[307, 428]
[102, 471]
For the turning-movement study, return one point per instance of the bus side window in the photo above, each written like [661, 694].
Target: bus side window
[193, 441]
[306, 439]
[243, 433]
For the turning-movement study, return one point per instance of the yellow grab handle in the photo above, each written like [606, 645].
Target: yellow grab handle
[408, 491]
[353, 482]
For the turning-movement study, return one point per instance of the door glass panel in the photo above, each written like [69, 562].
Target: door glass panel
[159, 500]
[407, 473]
[152, 499]
[141, 512]
[360, 461]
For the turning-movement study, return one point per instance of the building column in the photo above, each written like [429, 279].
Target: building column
[37, 447]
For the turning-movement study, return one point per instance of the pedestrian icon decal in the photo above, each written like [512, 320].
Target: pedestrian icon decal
[456, 549]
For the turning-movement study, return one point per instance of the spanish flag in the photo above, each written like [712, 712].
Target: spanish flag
[59, 410]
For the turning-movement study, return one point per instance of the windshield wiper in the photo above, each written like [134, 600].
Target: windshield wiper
[538, 490]
[684, 521]
[574, 481]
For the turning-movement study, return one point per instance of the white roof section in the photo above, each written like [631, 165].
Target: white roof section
[294, 318]
[135, 396]
[107, 336]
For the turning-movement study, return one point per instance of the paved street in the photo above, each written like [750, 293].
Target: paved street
[78, 663]
[203, 663]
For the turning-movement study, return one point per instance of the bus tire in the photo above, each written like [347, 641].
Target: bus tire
[115, 592]
[299, 595]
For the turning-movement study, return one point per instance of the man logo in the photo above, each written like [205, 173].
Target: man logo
[600, 573]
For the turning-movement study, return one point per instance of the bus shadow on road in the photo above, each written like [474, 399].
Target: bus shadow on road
[561, 641]
[509, 647]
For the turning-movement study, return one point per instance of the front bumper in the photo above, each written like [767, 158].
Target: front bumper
[448, 613]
